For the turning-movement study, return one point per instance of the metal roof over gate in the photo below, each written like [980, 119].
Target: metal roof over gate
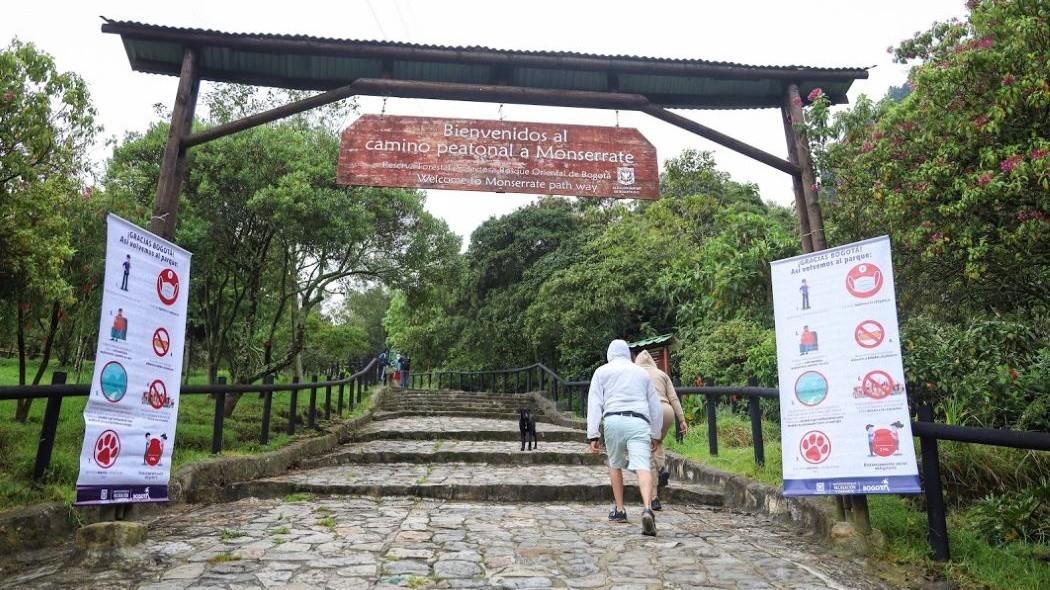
[316, 63]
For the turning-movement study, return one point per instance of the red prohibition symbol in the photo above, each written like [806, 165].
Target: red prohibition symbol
[815, 447]
[869, 333]
[107, 449]
[158, 394]
[168, 286]
[877, 384]
[864, 280]
[161, 342]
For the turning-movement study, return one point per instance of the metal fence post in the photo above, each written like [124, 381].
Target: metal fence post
[936, 515]
[312, 414]
[712, 424]
[48, 428]
[755, 410]
[264, 433]
[216, 430]
[293, 406]
[328, 399]
[342, 386]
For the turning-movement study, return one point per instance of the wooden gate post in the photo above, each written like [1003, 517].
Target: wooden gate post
[173, 164]
[793, 104]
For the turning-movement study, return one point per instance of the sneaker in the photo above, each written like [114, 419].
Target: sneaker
[618, 515]
[648, 523]
[656, 505]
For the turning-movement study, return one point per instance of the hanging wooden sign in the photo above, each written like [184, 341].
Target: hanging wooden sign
[498, 156]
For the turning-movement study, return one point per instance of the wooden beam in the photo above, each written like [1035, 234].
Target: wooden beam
[721, 139]
[793, 102]
[173, 163]
[432, 90]
[796, 180]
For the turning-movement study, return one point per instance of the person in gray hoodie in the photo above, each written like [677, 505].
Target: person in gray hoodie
[622, 399]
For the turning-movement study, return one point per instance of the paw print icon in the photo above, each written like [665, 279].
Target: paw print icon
[815, 447]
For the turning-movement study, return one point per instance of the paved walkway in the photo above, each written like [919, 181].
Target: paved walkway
[450, 502]
[360, 543]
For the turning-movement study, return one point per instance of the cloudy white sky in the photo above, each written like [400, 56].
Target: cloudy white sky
[832, 33]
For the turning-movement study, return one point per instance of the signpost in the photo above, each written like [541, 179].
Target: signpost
[131, 412]
[845, 427]
[498, 156]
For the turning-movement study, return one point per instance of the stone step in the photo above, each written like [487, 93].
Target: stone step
[471, 482]
[455, 406]
[385, 414]
[457, 451]
[461, 428]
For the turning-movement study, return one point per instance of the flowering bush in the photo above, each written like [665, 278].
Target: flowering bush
[957, 173]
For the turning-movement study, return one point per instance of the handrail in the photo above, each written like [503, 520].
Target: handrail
[12, 392]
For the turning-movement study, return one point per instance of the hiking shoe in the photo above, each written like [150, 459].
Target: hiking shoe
[618, 515]
[657, 506]
[648, 523]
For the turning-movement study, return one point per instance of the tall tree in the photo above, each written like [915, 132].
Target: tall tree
[47, 123]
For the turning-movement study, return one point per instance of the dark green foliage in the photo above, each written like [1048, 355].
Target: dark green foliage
[1017, 516]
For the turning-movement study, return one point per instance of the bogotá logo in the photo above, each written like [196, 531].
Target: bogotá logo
[114, 381]
[811, 388]
[625, 175]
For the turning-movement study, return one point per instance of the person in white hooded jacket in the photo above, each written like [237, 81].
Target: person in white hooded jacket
[622, 397]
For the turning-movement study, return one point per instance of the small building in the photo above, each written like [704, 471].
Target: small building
[659, 347]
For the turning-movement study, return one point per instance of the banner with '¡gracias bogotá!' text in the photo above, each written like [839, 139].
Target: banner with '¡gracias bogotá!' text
[132, 410]
[498, 156]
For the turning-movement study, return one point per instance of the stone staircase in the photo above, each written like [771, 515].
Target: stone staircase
[457, 445]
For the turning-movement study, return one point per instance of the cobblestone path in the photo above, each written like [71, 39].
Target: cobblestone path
[443, 502]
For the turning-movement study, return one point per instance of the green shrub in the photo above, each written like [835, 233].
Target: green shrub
[1022, 516]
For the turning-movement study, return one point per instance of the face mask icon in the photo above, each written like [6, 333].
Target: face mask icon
[168, 286]
[864, 280]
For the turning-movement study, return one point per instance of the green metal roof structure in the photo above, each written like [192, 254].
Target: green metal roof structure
[664, 338]
[314, 63]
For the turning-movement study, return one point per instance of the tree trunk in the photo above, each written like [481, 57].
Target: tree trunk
[22, 411]
[22, 408]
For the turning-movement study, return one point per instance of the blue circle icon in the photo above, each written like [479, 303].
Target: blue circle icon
[114, 381]
[811, 388]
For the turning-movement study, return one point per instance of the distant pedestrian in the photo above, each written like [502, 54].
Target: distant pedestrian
[381, 366]
[623, 399]
[672, 412]
[406, 365]
[804, 289]
[127, 271]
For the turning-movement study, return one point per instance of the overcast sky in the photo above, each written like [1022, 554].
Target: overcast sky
[831, 33]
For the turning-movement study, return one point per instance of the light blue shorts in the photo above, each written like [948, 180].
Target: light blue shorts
[627, 442]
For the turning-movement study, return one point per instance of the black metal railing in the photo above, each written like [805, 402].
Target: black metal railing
[59, 390]
[572, 395]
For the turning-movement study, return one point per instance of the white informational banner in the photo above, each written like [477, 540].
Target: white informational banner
[845, 426]
[134, 401]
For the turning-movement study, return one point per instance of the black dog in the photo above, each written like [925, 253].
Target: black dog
[527, 426]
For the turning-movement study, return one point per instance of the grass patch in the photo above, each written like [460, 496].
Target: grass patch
[224, 557]
[327, 522]
[975, 561]
[298, 497]
[228, 534]
[192, 441]
[284, 530]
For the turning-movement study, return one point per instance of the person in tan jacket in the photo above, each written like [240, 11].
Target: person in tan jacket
[672, 408]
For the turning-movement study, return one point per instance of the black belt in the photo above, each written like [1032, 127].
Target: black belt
[635, 414]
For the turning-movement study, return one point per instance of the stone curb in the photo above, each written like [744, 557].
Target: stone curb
[515, 457]
[40, 525]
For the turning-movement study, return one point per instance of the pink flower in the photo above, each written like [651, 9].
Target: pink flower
[815, 94]
[936, 237]
[877, 135]
[815, 187]
[985, 179]
[981, 121]
[985, 43]
[867, 147]
[1009, 79]
[1038, 154]
[1010, 163]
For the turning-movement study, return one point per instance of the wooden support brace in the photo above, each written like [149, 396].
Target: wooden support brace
[173, 164]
